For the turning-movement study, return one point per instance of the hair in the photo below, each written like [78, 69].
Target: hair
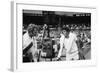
[66, 28]
[32, 30]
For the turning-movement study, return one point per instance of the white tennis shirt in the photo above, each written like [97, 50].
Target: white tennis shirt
[69, 44]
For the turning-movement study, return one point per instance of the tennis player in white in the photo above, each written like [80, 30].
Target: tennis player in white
[30, 42]
[68, 42]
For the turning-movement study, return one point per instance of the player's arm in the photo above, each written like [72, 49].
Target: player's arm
[61, 46]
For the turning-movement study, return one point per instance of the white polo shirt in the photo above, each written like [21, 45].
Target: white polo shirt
[70, 45]
[27, 40]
